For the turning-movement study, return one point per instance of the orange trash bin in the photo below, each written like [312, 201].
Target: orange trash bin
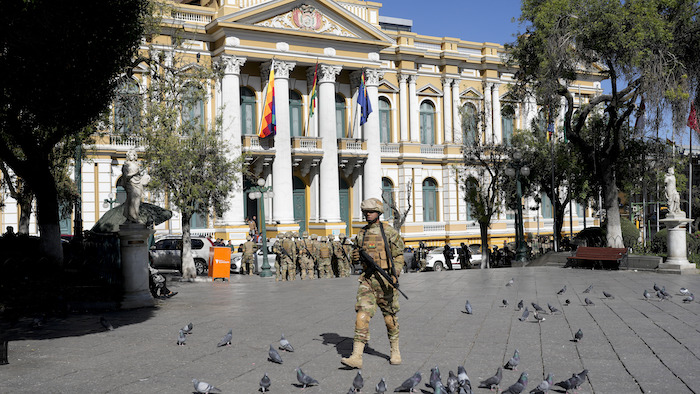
[220, 262]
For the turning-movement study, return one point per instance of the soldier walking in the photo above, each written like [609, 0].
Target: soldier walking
[385, 246]
[342, 254]
[324, 259]
[248, 260]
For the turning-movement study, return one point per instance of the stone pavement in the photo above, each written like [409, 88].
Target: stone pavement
[630, 345]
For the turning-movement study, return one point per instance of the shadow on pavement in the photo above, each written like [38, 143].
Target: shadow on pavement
[343, 345]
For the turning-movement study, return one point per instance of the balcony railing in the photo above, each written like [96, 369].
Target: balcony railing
[432, 228]
[431, 150]
[307, 143]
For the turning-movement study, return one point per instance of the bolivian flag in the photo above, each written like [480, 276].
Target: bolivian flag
[268, 126]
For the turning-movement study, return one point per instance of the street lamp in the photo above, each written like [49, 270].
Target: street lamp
[518, 167]
[257, 193]
[109, 201]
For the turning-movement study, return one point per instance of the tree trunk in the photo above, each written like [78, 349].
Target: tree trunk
[612, 207]
[44, 188]
[484, 228]
[189, 272]
[559, 208]
[25, 212]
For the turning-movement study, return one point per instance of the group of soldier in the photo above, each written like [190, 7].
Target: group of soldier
[309, 256]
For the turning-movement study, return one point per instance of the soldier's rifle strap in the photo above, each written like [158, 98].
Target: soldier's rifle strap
[284, 251]
[387, 249]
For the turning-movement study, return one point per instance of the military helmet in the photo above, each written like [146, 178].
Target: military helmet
[280, 235]
[341, 236]
[295, 234]
[247, 237]
[288, 234]
[305, 234]
[314, 236]
[324, 239]
[372, 204]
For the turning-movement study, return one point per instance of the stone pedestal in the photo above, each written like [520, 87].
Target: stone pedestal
[677, 260]
[134, 255]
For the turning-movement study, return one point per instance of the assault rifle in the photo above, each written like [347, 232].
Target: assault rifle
[373, 267]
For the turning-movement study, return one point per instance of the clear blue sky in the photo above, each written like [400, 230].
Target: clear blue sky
[471, 20]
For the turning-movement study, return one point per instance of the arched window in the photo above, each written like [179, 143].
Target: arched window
[384, 120]
[127, 106]
[340, 116]
[546, 206]
[470, 122]
[198, 220]
[388, 198]
[430, 200]
[427, 123]
[193, 106]
[295, 120]
[507, 120]
[248, 123]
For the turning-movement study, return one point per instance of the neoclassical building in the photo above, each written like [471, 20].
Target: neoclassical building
[428, 95]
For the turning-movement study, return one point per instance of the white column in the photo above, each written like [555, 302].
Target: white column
[414, 110]
[456, 118]
[447, 109]
[230, 101]
[497, 126]
[282, 207]
[488, 112]
[403, 107]
[330, 200]
[372, 179]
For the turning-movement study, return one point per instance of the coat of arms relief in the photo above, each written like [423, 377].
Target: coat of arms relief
[307, 18]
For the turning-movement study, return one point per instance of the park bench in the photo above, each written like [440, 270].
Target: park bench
[595, 257]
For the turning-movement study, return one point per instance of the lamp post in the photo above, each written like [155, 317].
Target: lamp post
[518, 167]
[257, 193]
[109, 201]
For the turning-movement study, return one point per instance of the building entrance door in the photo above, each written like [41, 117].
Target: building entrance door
[345, 205]
[299, 201]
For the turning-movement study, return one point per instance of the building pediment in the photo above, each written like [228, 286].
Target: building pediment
[324, 18]
[471, 93]
[429, 90]
[387, 87]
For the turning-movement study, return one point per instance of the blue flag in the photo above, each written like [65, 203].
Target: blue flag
[363, 101]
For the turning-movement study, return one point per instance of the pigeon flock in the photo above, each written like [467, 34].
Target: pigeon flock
[458, 383]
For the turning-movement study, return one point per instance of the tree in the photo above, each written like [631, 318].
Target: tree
[59, 60]
[398, 216]
[188, 161]
[645, 48]
[483, 183]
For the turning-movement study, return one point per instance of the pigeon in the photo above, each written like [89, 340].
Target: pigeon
[410, 383]
[351, 390]
[285, 345]
[689, 298]
[274, 356]
[588, 289]
[512, 364]
[562, 291]
[204, 387]
[226, 340]
[107, 325]
[381, 386]
[452, 383]
[684, 291]
[468, 308]
[510, 282]
[647, 295]
[358, 383]
[265, 383]
[538, 317]
[567, 302]
[520, 305]
[493, 381]
[588, 302]
[537, 307]
[574, 381]
[462, 377]
[187, 329]
[517, 387]
[505, 303]
[656, 287]
[526, 313]
[181, 338]
[305, 379]
[465, 390]
[552, 309]
[578, 335]
[440, 388]
[581, 377]
[543, 387]
[434, 377]
[665, 293]
[608, 295]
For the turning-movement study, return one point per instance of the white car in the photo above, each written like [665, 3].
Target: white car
[271, 257]
[435, 260]
[166, 252]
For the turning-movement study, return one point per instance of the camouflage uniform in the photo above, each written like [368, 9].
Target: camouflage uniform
[316, 245]
[374, 291]
[248, 260]
[286, 262]
[324, 259]
[306, 257]
[342, 254]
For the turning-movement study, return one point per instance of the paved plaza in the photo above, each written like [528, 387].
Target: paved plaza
[630, 345]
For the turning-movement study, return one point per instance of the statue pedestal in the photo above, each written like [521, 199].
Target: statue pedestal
[134, 252]
[677, 260]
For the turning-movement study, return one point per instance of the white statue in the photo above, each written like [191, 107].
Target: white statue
[672, 196]
[134, 178]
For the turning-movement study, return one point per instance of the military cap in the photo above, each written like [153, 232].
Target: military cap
[314, 236]
[247, 237]
[324, 239]
[341, 236]
[372, 204]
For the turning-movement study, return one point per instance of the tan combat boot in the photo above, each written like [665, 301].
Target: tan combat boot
[395, 354]
[355, 360]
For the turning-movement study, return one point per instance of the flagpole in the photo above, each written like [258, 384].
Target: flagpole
[690, 183]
